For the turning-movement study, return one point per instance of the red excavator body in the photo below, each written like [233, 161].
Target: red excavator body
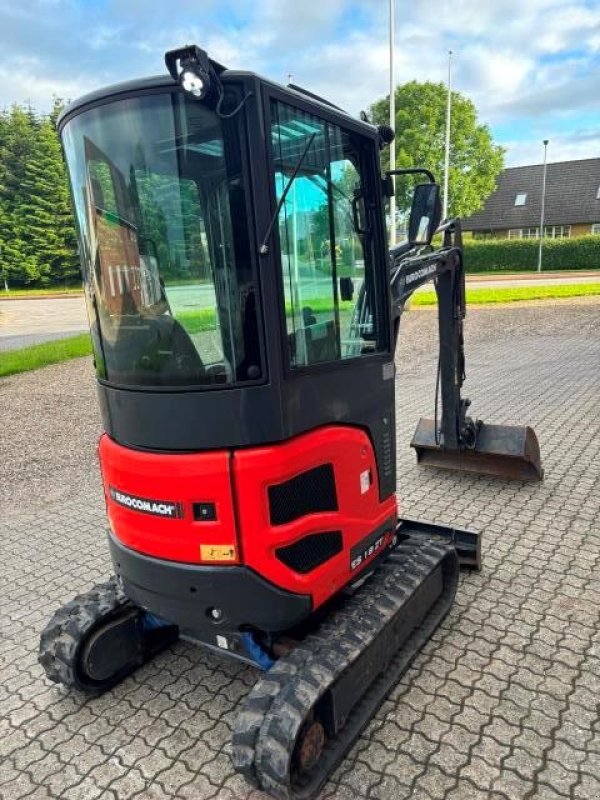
[304, 516]
[244, 310]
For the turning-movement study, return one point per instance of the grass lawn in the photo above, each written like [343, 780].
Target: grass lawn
[78, 289]
[40, 292]
[515, 273]
[39, 355]
[514, 294]
[205, 319]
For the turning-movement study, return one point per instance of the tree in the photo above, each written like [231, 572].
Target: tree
[46, 210]
[3, 215]
[17, 143]
[475, 161]
[58, 106]
[37, 236]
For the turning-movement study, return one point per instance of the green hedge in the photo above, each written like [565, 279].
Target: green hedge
[522, 254]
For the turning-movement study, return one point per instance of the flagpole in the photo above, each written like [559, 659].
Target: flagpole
[392, 122]
[447, 147]
[541, 242]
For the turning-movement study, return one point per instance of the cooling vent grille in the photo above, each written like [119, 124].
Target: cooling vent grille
[309, 552]
[308, 493]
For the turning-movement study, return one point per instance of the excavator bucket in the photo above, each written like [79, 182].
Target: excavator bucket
[507, 451]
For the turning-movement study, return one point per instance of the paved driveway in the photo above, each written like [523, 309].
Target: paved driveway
[31, 321]
[501, 704]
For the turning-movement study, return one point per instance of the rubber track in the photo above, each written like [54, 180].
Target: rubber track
[276, 708]
[70, 626]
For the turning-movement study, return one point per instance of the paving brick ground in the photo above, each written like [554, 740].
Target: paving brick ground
[501, 704]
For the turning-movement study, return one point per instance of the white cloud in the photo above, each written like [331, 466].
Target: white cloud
[560, 148]
[576, 94]
[290, 23]
[533, 61]
[101, 36]
[29, 84]
[493, 76]
[572, 25]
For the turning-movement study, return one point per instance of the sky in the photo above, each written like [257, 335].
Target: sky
[532, 67]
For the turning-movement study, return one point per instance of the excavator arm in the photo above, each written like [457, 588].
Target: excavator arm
[446, 268]
[455, 440]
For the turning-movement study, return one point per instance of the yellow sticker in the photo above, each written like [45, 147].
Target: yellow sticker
[217, 552]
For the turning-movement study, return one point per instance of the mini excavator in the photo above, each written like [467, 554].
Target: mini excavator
[244, 310]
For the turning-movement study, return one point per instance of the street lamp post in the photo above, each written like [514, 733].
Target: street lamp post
[541, 242]
[447, 147]
[392, 123]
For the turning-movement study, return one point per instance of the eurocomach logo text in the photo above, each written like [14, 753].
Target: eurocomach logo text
[160, 508]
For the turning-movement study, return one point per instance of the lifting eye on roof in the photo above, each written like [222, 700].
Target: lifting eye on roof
[191, 68]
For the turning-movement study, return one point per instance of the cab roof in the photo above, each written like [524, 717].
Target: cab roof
[161, 82]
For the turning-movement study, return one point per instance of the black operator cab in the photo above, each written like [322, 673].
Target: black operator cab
[234, 260]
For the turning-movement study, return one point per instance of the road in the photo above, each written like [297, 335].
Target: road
[501, 704]
[33, 320]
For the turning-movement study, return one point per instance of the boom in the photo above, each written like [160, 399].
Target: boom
[457, 440]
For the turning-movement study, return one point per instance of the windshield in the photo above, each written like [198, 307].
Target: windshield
[160, 202]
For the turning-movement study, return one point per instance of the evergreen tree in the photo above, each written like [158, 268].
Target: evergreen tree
[58, 106]
[18, 142]
[37, 235]
[46, 210]
[3, 136]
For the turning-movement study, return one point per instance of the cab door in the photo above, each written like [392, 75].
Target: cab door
[333, 275]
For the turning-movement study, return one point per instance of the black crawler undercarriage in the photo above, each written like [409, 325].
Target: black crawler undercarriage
[304, 713]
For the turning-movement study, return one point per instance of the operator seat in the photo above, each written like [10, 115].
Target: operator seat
[154, 350]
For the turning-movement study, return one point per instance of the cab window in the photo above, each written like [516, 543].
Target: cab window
[325, 244]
